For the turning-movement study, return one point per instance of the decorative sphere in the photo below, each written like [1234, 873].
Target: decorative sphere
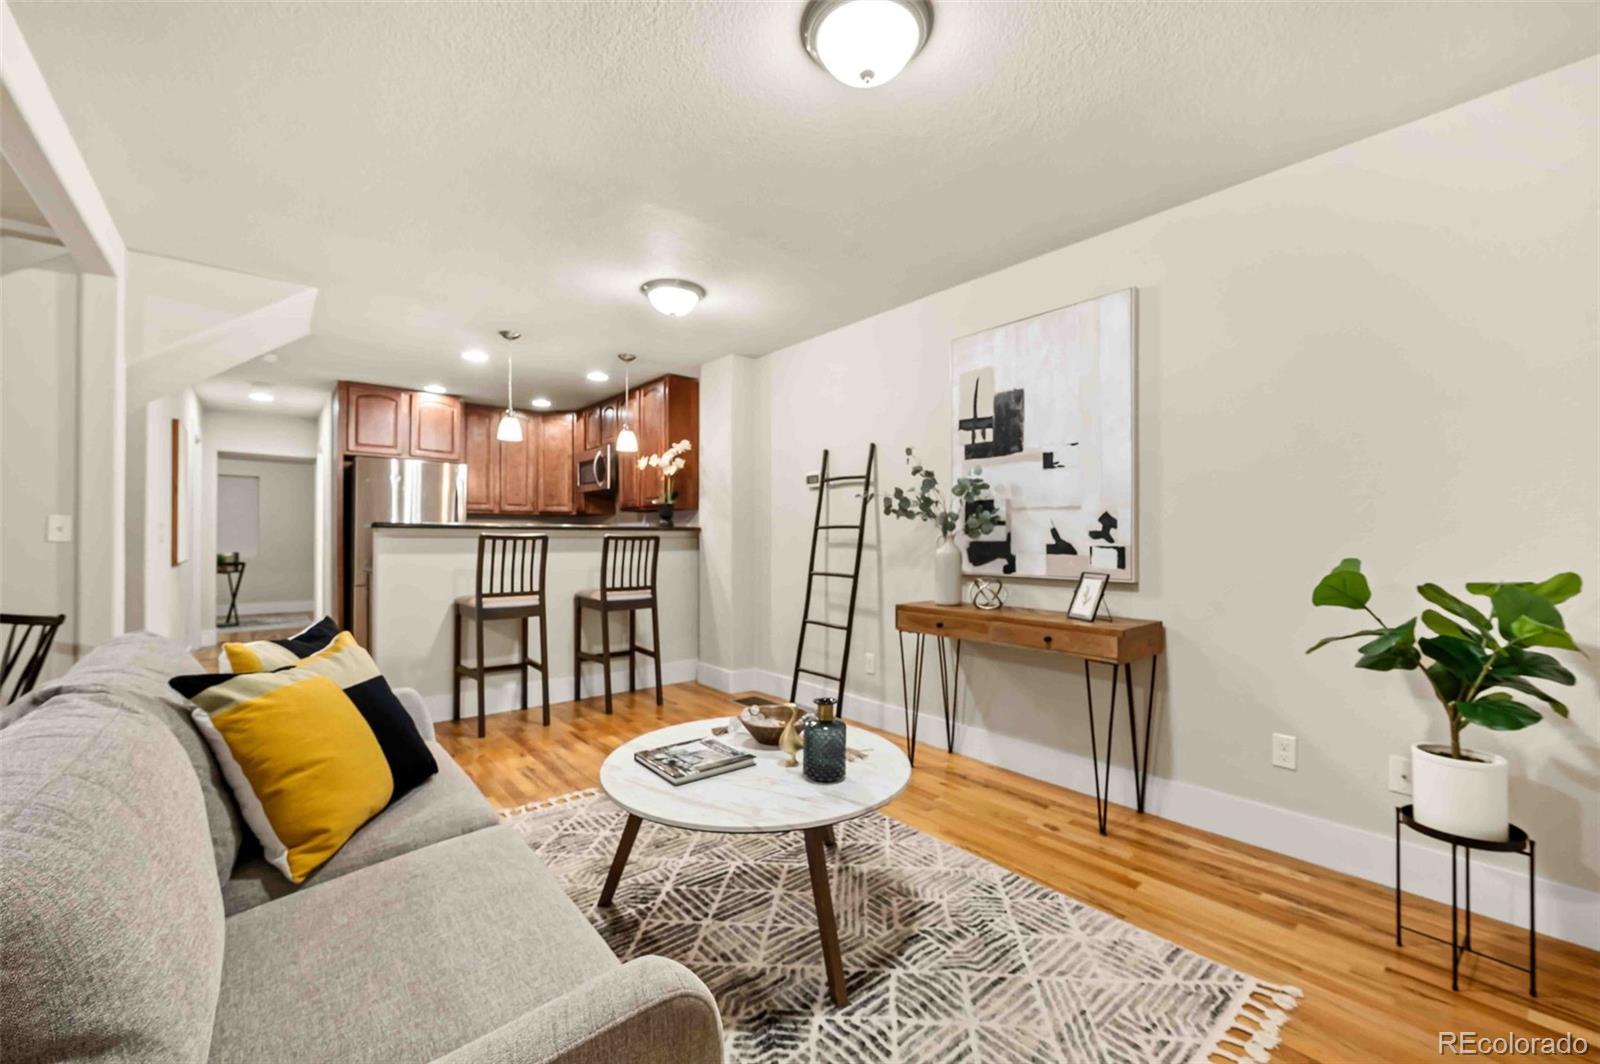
[988, 593]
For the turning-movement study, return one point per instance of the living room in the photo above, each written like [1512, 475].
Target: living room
[956, 422]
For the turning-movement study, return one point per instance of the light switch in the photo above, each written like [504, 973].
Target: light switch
[58, 528]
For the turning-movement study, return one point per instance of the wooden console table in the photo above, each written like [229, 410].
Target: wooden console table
[1115, 643]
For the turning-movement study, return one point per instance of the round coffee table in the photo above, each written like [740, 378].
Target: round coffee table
[768, 797]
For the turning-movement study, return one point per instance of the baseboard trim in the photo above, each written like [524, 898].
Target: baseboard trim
[1566, 912]
[502, 693]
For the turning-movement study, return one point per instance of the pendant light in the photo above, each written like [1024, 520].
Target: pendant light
[510, 428]
[627, 442]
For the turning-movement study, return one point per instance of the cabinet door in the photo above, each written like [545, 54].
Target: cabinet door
[483, 465]
[589, 428]
[627, 473]
[652, 430]
[519, 472]
[558, 489]
[436, 427]
[608, 421]
[377, 420]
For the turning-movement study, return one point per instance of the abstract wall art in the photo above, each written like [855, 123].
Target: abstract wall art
[1045, 407]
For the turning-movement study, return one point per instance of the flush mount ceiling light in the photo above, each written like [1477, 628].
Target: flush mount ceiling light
[260, 393]
[627, 442]
[599, 376]
[475, 354]
[435, 389]
[510, 427]
[672, 296]
[865, 43]
[539, 402]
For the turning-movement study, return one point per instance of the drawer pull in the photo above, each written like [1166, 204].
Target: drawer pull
[1047, 638]
[938, 624]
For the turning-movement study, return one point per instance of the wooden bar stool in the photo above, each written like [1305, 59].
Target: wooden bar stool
[510, 586]
[627, 582]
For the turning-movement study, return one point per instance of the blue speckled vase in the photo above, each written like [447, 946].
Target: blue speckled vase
[824, 750]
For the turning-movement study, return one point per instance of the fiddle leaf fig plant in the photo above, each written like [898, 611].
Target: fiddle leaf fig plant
[926, 503]
[1477, 663]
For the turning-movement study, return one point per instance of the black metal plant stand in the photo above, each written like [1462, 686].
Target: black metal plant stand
[1516, 842]
[234, 571]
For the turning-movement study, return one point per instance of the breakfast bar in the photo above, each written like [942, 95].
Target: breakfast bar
[418, 571]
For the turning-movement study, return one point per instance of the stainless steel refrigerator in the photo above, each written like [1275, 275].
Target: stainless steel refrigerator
[408, 491]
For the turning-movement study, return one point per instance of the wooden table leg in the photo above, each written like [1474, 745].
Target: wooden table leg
[624, 846]
[829, 837]
[816, 858]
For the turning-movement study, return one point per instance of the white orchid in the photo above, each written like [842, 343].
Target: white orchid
[670, 462]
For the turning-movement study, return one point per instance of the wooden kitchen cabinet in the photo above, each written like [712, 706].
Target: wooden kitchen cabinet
[558, 481]
[483, 466]
[437, 427]
[662, 412]
[377, 420]
[589, 428]
[518, 465]
[608, 420]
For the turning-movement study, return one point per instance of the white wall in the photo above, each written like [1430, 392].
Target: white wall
[280, 575]
[1387, 351]
[38, 442]
[162, 595]
[238, 434]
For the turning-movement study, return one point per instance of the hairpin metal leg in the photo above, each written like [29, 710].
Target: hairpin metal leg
[949, 691]
[1141, 763]
[1102, 791]
[911, 695]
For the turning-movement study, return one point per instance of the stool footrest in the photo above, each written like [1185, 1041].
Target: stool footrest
[513, 666]
[597, 655]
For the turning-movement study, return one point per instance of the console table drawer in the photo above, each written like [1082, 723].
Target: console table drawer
[1094, 646]
[951, 627]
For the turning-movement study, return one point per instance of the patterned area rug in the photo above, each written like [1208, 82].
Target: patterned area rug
[947, 956]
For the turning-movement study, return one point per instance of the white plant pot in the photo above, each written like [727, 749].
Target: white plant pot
[1468, 798]
[947, 573]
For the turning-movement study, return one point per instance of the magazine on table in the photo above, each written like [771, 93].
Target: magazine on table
[696, 759]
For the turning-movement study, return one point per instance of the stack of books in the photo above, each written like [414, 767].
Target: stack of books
[696, 759]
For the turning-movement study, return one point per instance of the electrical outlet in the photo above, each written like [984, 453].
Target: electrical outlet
[1399, 774]
[58, 528]
[1283, 750]
[870, 663]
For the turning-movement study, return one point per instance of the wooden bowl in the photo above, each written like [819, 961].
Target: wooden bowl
[766, 723]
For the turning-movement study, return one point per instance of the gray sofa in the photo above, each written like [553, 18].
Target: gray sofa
[138, 925]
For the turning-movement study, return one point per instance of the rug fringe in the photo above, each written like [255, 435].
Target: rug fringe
[548, 803]
[1254, 1027]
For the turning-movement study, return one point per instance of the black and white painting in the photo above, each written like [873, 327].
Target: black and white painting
[1045, 407]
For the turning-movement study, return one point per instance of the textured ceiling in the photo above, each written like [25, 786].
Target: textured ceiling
[439, 171]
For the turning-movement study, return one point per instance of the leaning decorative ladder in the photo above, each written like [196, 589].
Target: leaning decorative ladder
[807, 622]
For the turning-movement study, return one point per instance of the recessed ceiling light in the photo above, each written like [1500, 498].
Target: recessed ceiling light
[260, 395]
[436, 389]
[539, 402]
[865, 43]
[671, 296]
[599, 376]
[475, 354]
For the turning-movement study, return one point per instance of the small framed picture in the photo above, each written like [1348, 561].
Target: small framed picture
[1086, 600]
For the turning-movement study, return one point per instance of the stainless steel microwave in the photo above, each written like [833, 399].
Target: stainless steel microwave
[597, 470]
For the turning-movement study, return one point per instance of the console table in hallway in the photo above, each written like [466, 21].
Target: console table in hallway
[1118, 644]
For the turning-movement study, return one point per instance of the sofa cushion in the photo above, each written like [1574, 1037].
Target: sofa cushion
[403, 961]
[112, 940]
[132, 671]
[277, 653]
[446, 806]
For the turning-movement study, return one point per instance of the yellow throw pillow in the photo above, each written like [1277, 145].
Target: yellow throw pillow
[267, 654]
[303, 763]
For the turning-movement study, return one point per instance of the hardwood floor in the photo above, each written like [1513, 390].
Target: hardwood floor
[1267, 915]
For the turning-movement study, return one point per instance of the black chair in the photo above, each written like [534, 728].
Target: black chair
[21, 627]
[627, 582]
[510, 586]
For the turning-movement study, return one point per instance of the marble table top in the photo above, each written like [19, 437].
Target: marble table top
[767, 797]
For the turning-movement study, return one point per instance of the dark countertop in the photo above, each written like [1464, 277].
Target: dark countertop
[533, 526]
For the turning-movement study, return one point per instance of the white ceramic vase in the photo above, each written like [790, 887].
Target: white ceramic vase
[947, 572]
[1468, 798]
